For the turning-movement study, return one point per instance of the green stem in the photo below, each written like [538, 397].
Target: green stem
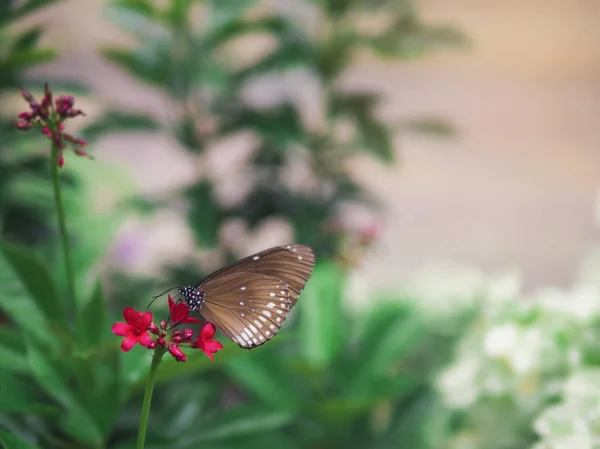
[156, 358]
[63, 226]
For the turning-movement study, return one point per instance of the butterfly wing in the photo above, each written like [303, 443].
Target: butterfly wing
[249, 300]
[247, 307]
[291, 264]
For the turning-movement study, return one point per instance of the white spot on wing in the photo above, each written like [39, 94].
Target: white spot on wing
[255, 341]
[278, 319]
[282, 292]
[271, 305]
[261, 337]
[267, 333]
[258, 323]
[242, 315]
[272, 326]
[279, 312]
[255, 258]
[267, 313]
[271, 294]
[242, 288]
[299, 257]
[262, 318]
[253, 329]
[241, 303]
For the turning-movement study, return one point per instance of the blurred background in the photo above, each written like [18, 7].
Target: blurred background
[440, 157]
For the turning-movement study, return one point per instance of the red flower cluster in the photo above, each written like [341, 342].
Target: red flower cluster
[138, 328]
[50, 116]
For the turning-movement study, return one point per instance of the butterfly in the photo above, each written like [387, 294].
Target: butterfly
[250, 299]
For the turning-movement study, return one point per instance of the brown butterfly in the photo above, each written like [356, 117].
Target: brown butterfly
[250, 299]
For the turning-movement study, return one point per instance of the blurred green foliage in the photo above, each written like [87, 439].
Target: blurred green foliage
[187, 50]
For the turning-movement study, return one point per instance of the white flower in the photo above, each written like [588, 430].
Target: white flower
[458, 383]
[500, 341]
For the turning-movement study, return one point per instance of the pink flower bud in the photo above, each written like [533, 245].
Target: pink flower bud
[187, 334]
[61, 161]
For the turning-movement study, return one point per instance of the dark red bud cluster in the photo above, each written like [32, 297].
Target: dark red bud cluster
[50, 115]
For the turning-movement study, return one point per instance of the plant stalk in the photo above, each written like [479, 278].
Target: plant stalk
[60, 210]
[156, 358]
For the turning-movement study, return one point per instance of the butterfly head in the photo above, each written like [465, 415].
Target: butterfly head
[194, 298]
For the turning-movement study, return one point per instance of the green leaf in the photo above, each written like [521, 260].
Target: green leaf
[17, 304]
[26, 39]
[153, 68]
[226, 10]
[18, 362]
[204, 215]
[391, 332]
[24, 9]
[92, 324]
[36, 277]
[76, 420]
[235, 29]
[321, 311]
[117, 121]
[10, 441]
[19, 396]
[253, 372]
[242, 421]
[27, 58]
[280, 126]
[372, 134]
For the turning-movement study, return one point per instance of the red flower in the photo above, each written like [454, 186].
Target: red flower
[205, 342]
[179, 313]
[135, 330]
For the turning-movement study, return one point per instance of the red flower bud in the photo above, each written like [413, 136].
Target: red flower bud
[23, 125]
[26, 95]
[26, 115]
[187, 334]
[163, 324]
[61, 160]
[177, 353]
[161, 341]
[153, 328]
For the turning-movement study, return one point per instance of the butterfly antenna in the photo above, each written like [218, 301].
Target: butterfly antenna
[154, 298]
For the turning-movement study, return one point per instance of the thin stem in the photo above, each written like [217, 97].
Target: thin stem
[63, 226]
[156, 358]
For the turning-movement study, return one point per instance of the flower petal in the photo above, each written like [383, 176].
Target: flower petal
[171, 304]
[179, 312]
[145, 320]
[213, 345]
[121, 329]
[145, 339]
[131, 316]
[209, 354]
[128, 343]
[207, 332]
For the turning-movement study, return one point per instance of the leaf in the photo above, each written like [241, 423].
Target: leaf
[234, 29]
[372, 134]
[280, 126]
[27, 58]
[16, 303]
[243, 421]
[391, 332]
[24, 9]
[18, 362]
[35, 276]
[10, 441]
[76, 420]
[27, 39]
[92, 324]
[261, 368]
[226, 10]
[204, 214]
[321, 311]
[153, 68]
[21, 397]
[117, 121]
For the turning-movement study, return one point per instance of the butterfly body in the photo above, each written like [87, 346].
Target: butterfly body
[249, 300]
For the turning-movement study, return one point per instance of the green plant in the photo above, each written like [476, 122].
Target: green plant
[194, 63]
